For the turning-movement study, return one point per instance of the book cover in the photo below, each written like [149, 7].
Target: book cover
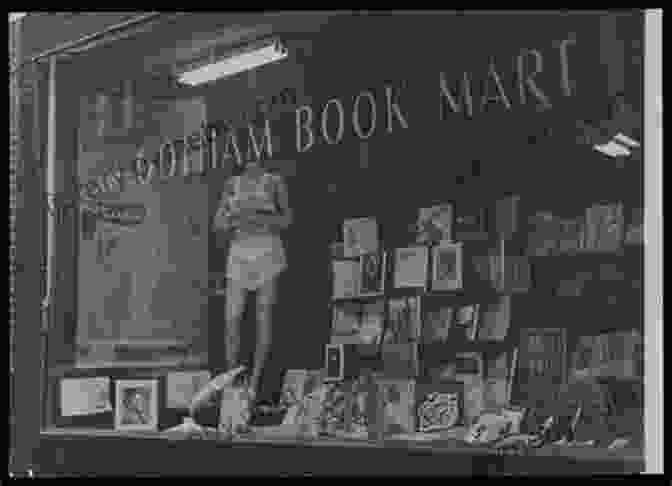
[438, 406]
[436, 325]
[495, 319]
[403, 323]
[398, 396]
[495, 393]
[372, 271]
[469, 370]
[360, 236]
[233, 408]
[541, 363]
[590, 241]
[359, 402]
[373, 321]
[346, 279]
[346, 323]
[296, 385]
[334, 408]
[497, 370]
[400, 360]
[85, 396]
[410, 267]
[447, 266]
[466, 320]
[435, 224]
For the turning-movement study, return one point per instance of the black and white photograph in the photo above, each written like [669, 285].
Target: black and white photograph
[136, 405]
[217, 219]
[372, 274]
[447, 267]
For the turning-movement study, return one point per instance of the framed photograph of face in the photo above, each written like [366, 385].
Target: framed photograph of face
[447, 266]
[372, 274]
[137, 405]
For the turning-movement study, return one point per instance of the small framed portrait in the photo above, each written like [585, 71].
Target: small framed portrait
[372, 273]
[435, 223]
[447, 266]
[334, 362]
[137, 406]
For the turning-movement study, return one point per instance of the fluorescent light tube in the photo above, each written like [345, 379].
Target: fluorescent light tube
[624, 139]
[612, 149]
[233, 65]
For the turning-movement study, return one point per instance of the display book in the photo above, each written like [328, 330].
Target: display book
[411, 400]
[436, 323]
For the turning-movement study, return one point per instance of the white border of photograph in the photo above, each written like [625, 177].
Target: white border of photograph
[406, 283]
[153, 386]
[452, 284]
[383, 273]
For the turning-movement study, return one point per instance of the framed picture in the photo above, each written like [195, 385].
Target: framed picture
[360, 236]
[137, 406]
[447, 266]
[436, 324]
[438, 406]
[398, 398]
[346, 323]
[466, 320]
[334, 362]
[372, 272]
[346, 279]
[542, 362]
[410, 267]
[403, 323]
[435, 224]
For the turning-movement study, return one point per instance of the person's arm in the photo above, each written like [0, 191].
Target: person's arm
[284, 219]
[224, 219]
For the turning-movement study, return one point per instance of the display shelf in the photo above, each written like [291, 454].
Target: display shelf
[87, 452]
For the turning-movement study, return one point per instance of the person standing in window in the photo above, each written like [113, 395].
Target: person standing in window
[254, 209]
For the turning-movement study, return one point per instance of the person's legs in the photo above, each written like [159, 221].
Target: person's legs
[235, 305]
[266, 295]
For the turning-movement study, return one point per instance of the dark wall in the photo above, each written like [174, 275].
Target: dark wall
[475, 161]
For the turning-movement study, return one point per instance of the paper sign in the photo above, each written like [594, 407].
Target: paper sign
[85, 396]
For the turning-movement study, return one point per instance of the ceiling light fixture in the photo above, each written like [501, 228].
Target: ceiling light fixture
[244, 60]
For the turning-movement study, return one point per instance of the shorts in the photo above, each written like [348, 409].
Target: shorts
[255, 260]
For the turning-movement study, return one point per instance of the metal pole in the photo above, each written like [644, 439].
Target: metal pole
[51, 187]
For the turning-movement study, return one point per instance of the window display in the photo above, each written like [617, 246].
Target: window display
[452, 334]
